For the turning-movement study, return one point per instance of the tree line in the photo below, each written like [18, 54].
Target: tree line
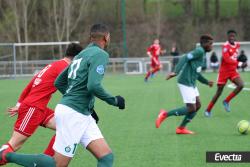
[172, 21]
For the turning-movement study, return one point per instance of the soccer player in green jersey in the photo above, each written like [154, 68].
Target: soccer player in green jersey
[80, 83]
[188, 69]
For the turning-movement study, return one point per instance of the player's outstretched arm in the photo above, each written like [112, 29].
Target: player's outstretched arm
[149, 51]
[184, 59]
[171, 75]
[204, 80]
[12, 111]
[149, 54]
[97, 67]
[120, 102]
[210, 83]
[163, 51]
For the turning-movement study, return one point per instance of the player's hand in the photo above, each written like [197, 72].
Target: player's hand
[244, 65]
[149, 55]
[95, 116]
[120, 102]
[210, 83]
[163, 51]
[12, 111]
[170, 75]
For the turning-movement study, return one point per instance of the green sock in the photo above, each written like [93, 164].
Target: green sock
[106, 161]
[187, 118]
[30, 160]
[178, 111]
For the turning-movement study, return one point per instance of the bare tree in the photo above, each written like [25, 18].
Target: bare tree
[217, 9]
[206, 8]
[21, 13]
[244, 9]
[25, 4]
[16, 13]
[187, 5]
[75, 16]
[158, 19]
[67, 17]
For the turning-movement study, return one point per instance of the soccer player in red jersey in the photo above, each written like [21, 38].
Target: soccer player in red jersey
[32, 107]
[228, 71]
[154, 52]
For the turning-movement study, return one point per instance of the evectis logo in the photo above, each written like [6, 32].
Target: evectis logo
[227, 157]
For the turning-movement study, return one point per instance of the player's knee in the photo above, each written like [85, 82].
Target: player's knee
[240, 86]
[218, 93]
[219, 89]
[191, 108]
[60, 160]
[107, 160]
[198, 106]
[51, 124]
[61, 164]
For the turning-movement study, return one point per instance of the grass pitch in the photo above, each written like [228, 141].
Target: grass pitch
[132, 134]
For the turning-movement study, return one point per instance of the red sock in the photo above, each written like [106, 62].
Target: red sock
[210, 106]
[230, 96]
[49, 150]
[3, 160]
[148, 74]
[11, 148]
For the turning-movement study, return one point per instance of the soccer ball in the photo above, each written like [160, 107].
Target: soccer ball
[243, 127]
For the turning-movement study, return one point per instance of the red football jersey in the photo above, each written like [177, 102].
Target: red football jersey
[229, 57]
[39, 90]
[155, 50]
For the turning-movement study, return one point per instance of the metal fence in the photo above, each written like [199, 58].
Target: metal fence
[128, 66]
[10, 67]
[13, 54]
[116, 65]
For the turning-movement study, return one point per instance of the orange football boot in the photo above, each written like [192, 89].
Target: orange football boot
[183, 130]
[161, 117]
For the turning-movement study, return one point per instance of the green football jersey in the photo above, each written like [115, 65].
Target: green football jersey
[189, 68]
[81, 81]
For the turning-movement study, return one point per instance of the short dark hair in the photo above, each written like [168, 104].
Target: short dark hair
[73, 49]
[98, 31]
[231, 31]
[205, 38]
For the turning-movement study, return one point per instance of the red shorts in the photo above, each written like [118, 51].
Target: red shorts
[29, 118]
[224, 76]
[155, 62]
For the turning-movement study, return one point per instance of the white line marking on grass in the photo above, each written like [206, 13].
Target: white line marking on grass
[232, 86]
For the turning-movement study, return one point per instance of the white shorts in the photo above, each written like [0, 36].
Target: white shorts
[73, 128]
[188, 93]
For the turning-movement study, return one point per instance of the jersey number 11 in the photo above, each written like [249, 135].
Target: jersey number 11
[73, 68]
